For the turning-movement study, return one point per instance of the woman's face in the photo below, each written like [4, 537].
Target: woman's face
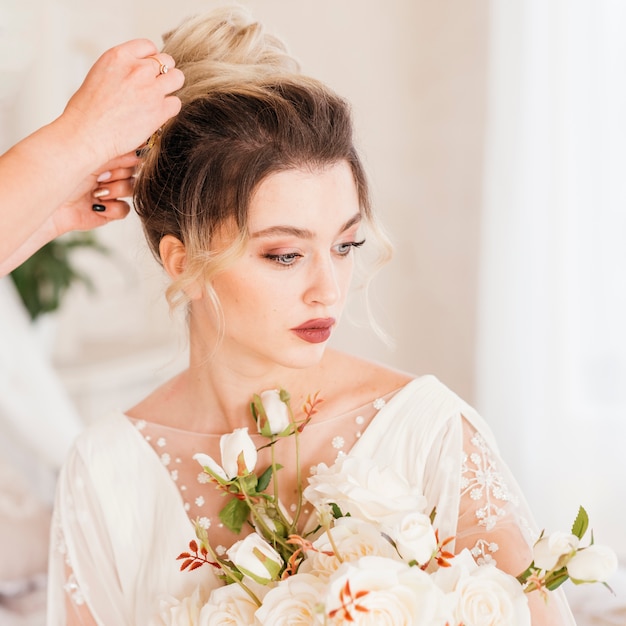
[282, 299]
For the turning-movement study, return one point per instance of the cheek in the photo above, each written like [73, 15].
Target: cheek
[344, 275]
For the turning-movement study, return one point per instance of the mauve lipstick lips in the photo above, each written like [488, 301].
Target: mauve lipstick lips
[315, 331]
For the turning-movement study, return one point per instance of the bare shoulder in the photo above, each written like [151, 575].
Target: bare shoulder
[351, 381]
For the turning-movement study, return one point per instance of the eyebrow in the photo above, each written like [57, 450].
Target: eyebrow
[301, 233]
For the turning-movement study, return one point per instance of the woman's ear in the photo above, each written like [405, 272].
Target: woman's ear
[173, 255]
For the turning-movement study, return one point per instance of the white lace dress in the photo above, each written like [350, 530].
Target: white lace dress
[128, 491]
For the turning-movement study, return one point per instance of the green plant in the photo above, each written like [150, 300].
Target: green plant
[43, 279]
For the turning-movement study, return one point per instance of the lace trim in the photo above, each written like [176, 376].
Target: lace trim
[483, 551]
[483, 482]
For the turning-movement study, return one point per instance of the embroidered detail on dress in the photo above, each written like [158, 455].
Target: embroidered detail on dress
[161, 442]
[379, 403]
[140, 424]
[203, 478]
[73, 590]
[482, 480]
[200, 501]
[360, 420]
[483, 550]
[165, 459]
[338, 442]
[204, 522]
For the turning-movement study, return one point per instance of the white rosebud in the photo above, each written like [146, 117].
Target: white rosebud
[239, 453]
[209, 464]
[415, 538]
[273, 413]
[548, 550]
[596, 563]
[255, 558]
[239, 456]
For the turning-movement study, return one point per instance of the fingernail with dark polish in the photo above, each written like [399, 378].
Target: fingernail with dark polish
[98, 207]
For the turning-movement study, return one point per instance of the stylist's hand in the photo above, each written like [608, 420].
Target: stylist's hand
[99, 199]
[124, 98]
[82, 210]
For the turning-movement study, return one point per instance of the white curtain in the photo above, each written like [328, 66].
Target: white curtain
[551, 365]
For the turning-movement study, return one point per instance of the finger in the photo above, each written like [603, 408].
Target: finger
[164, 62]
[129, 160]
[170, 81]
[112, 175]
[139, 48]
[111, 211]
[114, 189]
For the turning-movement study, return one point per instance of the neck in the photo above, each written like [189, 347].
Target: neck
[221, 388]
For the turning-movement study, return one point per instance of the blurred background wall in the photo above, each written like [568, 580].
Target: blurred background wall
[467, 115]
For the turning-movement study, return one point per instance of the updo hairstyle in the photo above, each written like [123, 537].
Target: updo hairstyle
[231, 134]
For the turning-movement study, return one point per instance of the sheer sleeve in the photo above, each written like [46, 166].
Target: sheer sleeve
[117, 528]
[494, 521]
[82, 572]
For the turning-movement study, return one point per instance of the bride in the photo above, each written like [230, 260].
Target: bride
[255, 202]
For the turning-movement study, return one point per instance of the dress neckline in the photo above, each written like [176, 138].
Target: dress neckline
[140, 423]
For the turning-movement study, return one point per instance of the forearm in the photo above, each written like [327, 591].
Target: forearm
[36, 176]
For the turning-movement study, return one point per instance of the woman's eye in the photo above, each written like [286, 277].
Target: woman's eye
[343, 249]
[289, 258]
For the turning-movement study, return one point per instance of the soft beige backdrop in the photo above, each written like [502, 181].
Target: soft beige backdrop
[415, 72]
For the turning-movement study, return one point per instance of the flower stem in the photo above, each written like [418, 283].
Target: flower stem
[296, 434]
[261, 522]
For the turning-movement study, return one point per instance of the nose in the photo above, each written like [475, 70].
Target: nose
[324, 285]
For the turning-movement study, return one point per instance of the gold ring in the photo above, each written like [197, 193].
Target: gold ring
[163, 69]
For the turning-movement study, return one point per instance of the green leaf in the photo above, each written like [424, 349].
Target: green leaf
[557, 579]
[581, 523]
[249, 484]
[432, 515]
[42, 280]
[266, 476]
[235, 514]
[336, 511]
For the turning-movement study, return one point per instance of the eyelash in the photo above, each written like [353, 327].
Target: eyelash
[288, 259]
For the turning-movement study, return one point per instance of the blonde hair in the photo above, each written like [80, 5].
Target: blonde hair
[247, 113]
[223, 48]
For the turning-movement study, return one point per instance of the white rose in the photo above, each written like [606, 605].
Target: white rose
[375, 590]
[548, 550]
[483, 595]
[239, 456]
[596, 563]
[255, 558]
[364, 490]
[273, 413]
[296, 601]
[183, 612]
[354, 539]
[229, 606]
[415, 538]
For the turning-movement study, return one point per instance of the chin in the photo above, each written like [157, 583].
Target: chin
[308, 356]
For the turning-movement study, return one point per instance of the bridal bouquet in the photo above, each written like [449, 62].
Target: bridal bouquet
[370, 555]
